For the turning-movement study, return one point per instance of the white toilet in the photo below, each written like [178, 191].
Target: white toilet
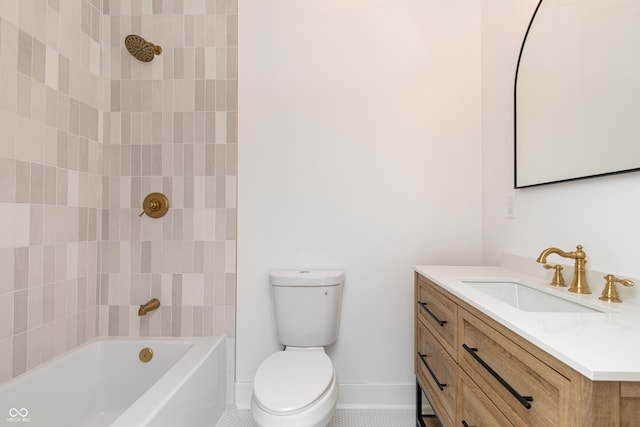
[298, 386]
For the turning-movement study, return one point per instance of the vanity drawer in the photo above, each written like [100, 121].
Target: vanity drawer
[527, 391]
[438, 313]
[474, 407]
[437, 372]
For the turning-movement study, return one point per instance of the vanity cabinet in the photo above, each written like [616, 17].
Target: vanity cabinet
[475, 408]
[528, 391]
[437, 371]
[439, 314]
[476, 372]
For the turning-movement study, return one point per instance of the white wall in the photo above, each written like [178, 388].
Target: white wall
[359, 148]
[600, 213]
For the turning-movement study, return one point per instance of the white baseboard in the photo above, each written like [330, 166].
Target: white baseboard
[352, 396]
[243, 395]
[377, 396]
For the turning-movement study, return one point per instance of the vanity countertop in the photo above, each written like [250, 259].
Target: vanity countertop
[601, 346]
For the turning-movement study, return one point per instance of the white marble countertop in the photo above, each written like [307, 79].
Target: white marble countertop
[602, 346]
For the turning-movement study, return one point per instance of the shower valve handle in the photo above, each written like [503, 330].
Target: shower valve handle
[155, 205]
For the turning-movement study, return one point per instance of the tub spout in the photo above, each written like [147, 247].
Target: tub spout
[149, 306]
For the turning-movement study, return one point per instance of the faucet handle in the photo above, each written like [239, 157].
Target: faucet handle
[609, 292]
[557, 280]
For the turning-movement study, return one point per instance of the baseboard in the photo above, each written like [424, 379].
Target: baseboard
[377, 396]
[353, 396]
[243, 395]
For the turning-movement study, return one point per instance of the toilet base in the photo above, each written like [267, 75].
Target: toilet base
[317, 415]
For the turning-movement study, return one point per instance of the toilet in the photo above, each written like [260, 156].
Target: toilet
[298, 386]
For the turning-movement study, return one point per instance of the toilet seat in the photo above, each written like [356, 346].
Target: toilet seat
[291, 380]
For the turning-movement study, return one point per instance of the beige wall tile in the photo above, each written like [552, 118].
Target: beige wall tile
[6, 356]
[21, 268]
[38, 60]
[19, 354]
[9, 89]
[52, 26]
[38, 101]
[7, 133]
[56, 112]
[59, 336]
[6, 270]
[7, 180]
[25, 52]
[47, 341]
[23, 92]
[6, 316]
[36, 261]
[35, 310]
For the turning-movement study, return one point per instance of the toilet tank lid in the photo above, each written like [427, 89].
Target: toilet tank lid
[306, 277]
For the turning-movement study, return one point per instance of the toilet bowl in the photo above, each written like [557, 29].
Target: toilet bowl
[295, 387]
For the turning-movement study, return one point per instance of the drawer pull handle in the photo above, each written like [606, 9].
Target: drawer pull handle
[423, 357]
[464, 423]
[424, 305]
[524, 400]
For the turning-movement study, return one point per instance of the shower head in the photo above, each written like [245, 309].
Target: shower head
[141, 49]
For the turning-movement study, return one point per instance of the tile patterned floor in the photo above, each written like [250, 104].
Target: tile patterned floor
[343, 418]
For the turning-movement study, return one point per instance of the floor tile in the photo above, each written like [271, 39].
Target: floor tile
[343, 418]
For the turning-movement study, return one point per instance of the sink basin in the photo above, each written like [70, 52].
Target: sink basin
[526, 298]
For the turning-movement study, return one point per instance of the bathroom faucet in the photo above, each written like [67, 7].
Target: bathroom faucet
[151, 305]
[579, 283]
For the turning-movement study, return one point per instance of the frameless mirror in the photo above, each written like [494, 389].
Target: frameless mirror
[577, 92]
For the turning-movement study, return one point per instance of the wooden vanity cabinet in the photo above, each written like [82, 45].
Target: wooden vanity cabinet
[500, 379]
[528, 391]
[438, 313]
[629, 404]
[437, 372]
[436, 367]
[475, 408]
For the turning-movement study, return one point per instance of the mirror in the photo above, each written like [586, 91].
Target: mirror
[577, 92]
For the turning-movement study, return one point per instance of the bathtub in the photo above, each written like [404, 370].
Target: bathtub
[104, 383]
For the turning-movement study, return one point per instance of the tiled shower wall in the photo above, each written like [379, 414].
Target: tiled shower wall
[170, 127]
[50, 178]
[86, 131]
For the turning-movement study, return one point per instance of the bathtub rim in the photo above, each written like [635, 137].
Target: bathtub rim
[160, 392]
[97, 340]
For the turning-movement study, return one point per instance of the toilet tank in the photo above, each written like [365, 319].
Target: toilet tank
[307, 306]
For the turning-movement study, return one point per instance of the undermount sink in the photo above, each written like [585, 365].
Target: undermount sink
[526, 298]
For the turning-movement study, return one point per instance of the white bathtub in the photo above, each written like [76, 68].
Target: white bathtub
[104, 383]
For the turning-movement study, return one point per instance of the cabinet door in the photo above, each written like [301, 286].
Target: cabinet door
[526, 390]
[474, 407]
[438, 313]
[630, 404]
[437, 373]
